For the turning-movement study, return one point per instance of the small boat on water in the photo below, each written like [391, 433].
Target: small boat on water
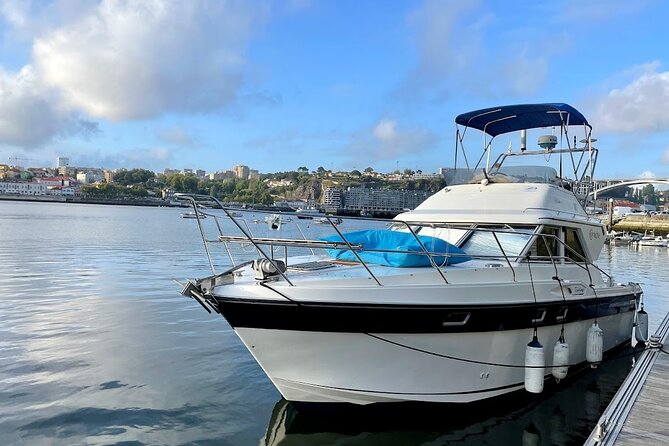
[192, 214]
[453, 303]
[308, 213]
[650, 239]
[622, 238]
[327, 221]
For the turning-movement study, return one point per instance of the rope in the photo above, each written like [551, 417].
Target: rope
[494, 364]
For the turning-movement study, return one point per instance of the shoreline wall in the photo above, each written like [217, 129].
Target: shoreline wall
[642, 223]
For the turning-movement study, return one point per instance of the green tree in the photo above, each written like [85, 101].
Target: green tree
[648, 194]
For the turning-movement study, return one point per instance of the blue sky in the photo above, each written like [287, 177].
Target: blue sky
[341, 84]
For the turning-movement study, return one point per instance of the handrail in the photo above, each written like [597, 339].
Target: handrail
[191, 197]
[501, 248]
[355, 253]
[257, 242]
[420, 242]
[295, 243]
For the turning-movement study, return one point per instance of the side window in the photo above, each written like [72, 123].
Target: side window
[575, 244]
[482, 242]
[546, 247]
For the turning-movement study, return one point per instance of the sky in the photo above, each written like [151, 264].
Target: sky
[342, 84]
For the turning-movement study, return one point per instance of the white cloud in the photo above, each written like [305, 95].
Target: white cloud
[453, 55]
[153, 159]
[647, 174]
[136, 60]
[176, 136]
[31, 114]
[387, 141]
[641, 105]
[579, 12]
[385, 130]
[26, 19]
[123, 60]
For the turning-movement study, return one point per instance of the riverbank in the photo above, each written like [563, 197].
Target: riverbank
[642, 223]
[155, 202]
[90, 200]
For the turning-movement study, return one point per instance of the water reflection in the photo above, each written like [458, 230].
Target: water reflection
[98, 347]
[563, 415]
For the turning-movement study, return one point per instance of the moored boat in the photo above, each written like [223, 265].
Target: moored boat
[441, 306]
[192, 214]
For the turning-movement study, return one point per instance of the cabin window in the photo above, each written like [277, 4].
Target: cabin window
[576, 252]
[546, 247]
[482, 241]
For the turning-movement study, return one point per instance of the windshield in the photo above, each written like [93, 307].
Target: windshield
[504, 174]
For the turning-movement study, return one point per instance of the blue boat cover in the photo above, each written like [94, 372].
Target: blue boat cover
[383, 239]
[508, 118]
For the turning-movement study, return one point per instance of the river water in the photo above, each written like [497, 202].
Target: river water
[98, 347]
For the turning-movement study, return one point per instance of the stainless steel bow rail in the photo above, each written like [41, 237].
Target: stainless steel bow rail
[275, 268]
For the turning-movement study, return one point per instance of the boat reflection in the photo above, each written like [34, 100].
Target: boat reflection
[563, 415]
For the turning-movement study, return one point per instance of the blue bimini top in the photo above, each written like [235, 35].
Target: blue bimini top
[508, 118]
[390, 242]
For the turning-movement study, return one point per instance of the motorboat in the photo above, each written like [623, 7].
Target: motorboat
[456, 299]
[327, 220]
[308, 213]
[622, 238]
[192, 214]
[650, 239]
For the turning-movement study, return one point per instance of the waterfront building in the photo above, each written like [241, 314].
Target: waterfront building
[200, 173]
[296, 204]
[427, 176]
[40, 172]
[85, 177]
[253, 173]
[63, 191]
[382, 200]
[57, 181]
[171, 171]
[22, 188]
[241, 171]
[108, 176]
[217, 176]
[332, 198]
[8, 172]
[63, 166]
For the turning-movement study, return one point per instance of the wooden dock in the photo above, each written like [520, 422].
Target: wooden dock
[638, 414]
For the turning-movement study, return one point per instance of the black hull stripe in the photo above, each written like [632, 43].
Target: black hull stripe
[367, 318]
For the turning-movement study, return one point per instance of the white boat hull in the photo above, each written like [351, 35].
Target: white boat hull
[360, 368]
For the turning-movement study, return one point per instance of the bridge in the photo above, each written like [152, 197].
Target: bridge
[607, 185]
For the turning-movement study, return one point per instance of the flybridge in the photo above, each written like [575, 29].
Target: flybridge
[573, 165]
[498, 120]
